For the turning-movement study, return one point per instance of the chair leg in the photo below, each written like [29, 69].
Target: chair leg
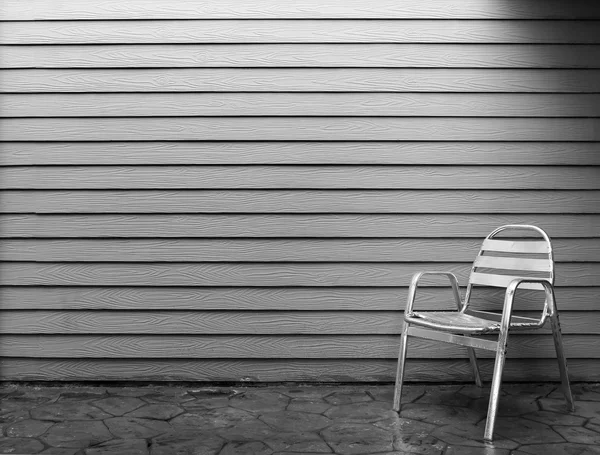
[400, 370]
[562, 361]
[496, 383]
[473, 360]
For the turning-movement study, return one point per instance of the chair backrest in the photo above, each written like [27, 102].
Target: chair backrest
[513, 255]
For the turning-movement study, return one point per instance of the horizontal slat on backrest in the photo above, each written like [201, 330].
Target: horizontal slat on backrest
[516, 246]
[501, 281]
[509, 263]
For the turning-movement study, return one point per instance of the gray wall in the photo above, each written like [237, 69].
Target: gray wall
[230, 190]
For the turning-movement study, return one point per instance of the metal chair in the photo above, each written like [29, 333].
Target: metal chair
[507, 262]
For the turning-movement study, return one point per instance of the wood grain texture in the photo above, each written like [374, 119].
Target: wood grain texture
[302, 55]
[301, 80]
[301, 177]
[275, 346]
[226, 9]
[221, 323]
[300, 31]
[272, 299]
[347, 153]
[254, 274]
[300, 104]
[226, 274]
[302, 128]
[301, 201]
[295, 370]
[242, 323]
[237, 193]
[289, 225]
[195, 298]
[267, 250]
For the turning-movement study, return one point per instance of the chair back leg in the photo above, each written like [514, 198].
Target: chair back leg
[475, 366]
[562, 361]
[400, 370]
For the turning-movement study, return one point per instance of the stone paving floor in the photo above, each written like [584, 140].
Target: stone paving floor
[294, 419]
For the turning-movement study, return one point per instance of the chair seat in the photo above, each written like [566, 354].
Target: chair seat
[454, 321]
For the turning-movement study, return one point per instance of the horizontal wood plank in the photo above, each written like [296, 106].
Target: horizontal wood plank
[300, 177]
[299, 31]
[300, 104]
[302, 128]
[296, 370]
[274, 299]
[195, 298]
[301, 80]
[243, 274]
[278, 250]
[304, 153]
[220, 323]
[276, 346]
[225, 274]
[240, 323]
[301, 201]
[226, 9]
[302, 55]
[288, 225]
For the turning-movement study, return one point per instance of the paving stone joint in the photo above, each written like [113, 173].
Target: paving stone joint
[293, 419]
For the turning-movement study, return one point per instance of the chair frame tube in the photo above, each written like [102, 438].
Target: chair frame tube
[500, 346]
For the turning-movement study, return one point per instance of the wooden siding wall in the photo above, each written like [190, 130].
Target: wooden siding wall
[230, 190]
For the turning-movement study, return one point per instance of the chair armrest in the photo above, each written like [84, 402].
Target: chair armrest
[414, 284]
[509, 298]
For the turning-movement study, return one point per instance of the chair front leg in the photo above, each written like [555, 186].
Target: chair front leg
[400, 369]
[509, 297]
[496, 384]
